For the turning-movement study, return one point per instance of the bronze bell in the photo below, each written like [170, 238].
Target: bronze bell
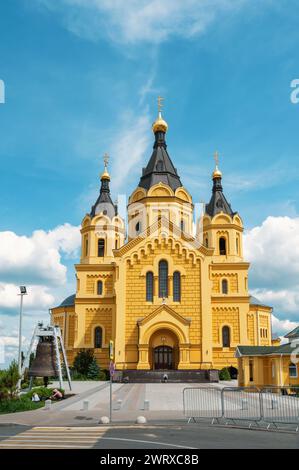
[44, 364]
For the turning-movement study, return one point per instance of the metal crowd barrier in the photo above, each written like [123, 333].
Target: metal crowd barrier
[272, 405]
[241, 404]
[202, 402]
[280, 405]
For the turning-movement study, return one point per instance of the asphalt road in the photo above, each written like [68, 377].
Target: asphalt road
[192, 436]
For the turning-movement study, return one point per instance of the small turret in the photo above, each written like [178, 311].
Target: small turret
[104, 202]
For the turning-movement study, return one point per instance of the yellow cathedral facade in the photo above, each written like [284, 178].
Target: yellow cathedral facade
[170, 291]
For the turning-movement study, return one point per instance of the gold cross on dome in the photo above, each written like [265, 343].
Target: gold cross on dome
[106, 160]
[216, 157]
[160, 103]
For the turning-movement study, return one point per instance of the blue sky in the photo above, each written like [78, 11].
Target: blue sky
[82, 78]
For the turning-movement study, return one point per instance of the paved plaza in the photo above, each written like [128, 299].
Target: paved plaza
[91, 402]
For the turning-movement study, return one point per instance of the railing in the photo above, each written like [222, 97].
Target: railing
[202, 402]
[270, 405]
[280, 405]
[241, 404]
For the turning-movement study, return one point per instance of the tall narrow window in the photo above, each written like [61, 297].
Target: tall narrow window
[224, 286]
[101, 248]
[293, 370]
[176, 286]
[149, 287]
[98, 337]
[238, 245]
[251, 372]
[100, 287]
[138, 228]
[182, 225]
[86, 246]
[226, 337]
[222, 246]
[163, 279]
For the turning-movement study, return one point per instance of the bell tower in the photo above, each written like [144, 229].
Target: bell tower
[103, 230]
[222, 227]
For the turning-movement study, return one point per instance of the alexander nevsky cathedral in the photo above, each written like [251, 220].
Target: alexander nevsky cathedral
[170, 291]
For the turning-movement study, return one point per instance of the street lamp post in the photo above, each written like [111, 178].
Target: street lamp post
[23, 291]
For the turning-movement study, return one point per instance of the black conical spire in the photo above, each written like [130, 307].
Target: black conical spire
[218, 202]
[160, 168]
[104, 202]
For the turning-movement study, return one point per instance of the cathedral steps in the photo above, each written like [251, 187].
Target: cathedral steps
[173, 376]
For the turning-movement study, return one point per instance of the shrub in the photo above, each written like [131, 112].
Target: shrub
[43, 392]
[82, 361]
[22, 403]
[102, 375]
[93, 372]
[224, 374]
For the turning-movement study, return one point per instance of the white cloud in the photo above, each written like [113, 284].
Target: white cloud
[37, 259]
[282, 326]
[38, 298]
[133, 21]
[273, 250]
[286, 300]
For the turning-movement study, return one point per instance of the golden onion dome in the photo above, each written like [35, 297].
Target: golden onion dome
[160, 125]
[105, 176]
[217, 173]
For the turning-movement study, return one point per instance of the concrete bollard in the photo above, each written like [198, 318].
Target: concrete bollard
[104, 420]
[274, 404]
[48, 404]
[146, 406]
[85, 405]
[119, 404]
[244, 404]
[141, 420]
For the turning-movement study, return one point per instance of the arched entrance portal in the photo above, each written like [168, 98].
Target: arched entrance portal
[164, 348]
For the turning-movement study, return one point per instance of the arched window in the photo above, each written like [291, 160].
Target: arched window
[224, 286]
[182, 225]
[100, 287]
[101, 248]
[163, 279]
[116, 244]
[207, 242]
[138, 227]
[149, 287]
[176, 286]
[98, 337]
[293, 370]
[222, 246]
[226, 337]
[86, 246]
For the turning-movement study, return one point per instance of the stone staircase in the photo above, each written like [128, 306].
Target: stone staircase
[174, 376]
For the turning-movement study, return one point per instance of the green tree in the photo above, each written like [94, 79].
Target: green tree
[93, 370]
[224, 374]
[8, 381]
[82, 361]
